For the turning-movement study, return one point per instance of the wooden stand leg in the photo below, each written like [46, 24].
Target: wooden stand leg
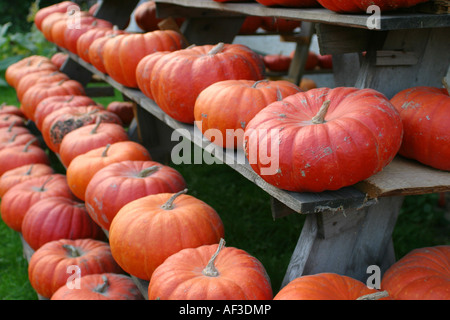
[346, 242]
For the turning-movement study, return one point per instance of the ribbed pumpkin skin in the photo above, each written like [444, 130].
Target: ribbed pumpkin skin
[89, 137]
[144, 72]
[83, 167]
[362, 5]
[179, 77]
[231, 104]
[31, 79]
[17, 200]
[142, 234]
[119, 287]
[18, 140]
[28, 65]
[241, 276]
[120, 62]
[42, 13]
[14, 176]
[120, 183]
[40, 91]
[361, 135]
[96, 50]
[425, 112]
[58, 218]
[323, 286]
[290, 3]
[422, 274]
[48, 266]
[86, 39]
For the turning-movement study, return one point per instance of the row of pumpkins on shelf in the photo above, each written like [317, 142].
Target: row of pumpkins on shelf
[320, 139]
[115, 213]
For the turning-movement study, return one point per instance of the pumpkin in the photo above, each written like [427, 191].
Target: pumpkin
[422, 274]
[210, 272]
[16, 156]
[14, 176]
[6, 120]
[18, 140]
[146, 19]
[61, 122]
[323, 139]
[144, 71]
[85, 40]
[274, 24]
[425, 112]
[223, 109]
[277, 62]
[326, 286]
[13, 130]
[96, 50]
[40, 91]
[38, 77]
[89, 137]
[325, 61]
[18, 199]
[356, 6]
[10, 109]
[55, 24]
[58, 218]
[250, 25]
[42, 13]
[290, 3]
[59, 58]
[105, 194]
[62, 262]
[307, 84]
[93, 9]
[83, 167]
[148, 230]
[47, 105]
[124, 109]
[30, 64]
[175, 83]
[121, 62]
[104, 286]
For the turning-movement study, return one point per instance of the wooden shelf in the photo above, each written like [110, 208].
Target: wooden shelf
[388, 21]
[401, 177]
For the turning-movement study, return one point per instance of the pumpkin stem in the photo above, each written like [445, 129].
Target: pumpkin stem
[71, 98]
[104, 153]
[147, 171]
[320, 116]
[73, 251]
[11, 126]
[97, 124]
[28, 144]
[42, 188]
[258, 82]
[13, 138]
[217, 48]
[169, 204]
[102, 287]
[28, 173]
[374, 296]
[210, 270]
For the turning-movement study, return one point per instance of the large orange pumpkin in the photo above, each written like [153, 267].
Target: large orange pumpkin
[223, 109]
[323, 139]
[14, 176]
[176, 81]
[121, 62]
[425, 113]
[326, 286]
[97, 47]
[63, 262]
[31, 79]
[83, 167]
[42, 13]
[30, 64]
[422, 274]
[105, 194]
[210, 272]
[102, 286]
[148, 230]
[353, 6]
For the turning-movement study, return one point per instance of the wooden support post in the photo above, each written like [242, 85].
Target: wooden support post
[117, 12]
[346, 242]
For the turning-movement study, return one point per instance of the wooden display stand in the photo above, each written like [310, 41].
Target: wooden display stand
[347, 230]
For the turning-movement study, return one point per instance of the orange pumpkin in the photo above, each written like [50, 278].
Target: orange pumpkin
[14, 176]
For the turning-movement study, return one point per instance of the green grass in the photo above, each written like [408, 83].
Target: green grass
[245, 211]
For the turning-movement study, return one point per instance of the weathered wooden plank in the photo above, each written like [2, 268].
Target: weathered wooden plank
[334, 39]
[405, 177]
[387, 21]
